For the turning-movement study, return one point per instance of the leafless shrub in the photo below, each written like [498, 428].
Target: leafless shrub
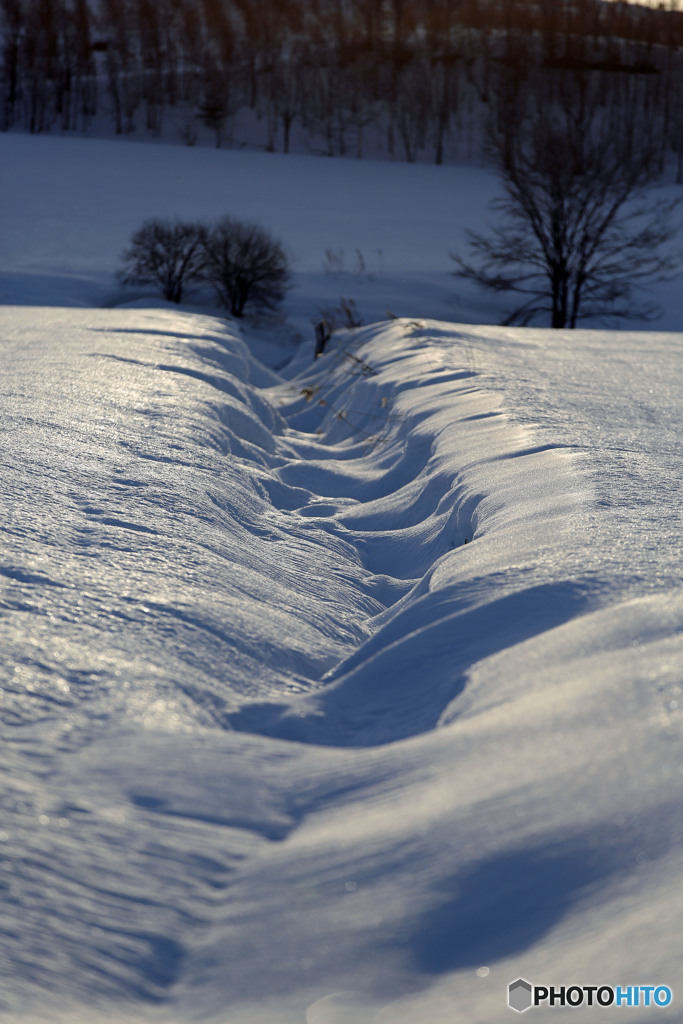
[344, 315]
[246, 266]
[333, 261]
[165, 253]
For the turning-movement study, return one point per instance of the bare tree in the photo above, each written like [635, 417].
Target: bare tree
[285, 93]
[119, 34]
[245, 265]
[166, 254]
[13, 26]
[579, 229]
[411, 106]
[215, 108]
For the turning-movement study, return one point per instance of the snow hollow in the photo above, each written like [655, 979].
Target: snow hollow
[332, 692]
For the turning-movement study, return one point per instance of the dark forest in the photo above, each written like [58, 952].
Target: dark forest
[408, 79]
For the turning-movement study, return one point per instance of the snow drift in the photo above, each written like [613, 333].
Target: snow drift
[323, 691]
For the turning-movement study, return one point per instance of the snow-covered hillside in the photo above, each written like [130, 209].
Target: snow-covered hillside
[337, 693]
[71, 205]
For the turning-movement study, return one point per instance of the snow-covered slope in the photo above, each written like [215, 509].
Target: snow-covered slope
[377, 232]
[322, 693]
[72, 205]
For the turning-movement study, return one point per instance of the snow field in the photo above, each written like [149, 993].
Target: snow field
[273, 731]
[72, 205]
[323, 688]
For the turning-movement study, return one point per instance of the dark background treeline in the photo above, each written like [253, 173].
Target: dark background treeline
[413, 79]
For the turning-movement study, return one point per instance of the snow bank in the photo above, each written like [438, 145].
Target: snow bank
[322, 693]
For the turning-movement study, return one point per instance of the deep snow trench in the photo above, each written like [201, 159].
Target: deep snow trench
[338, 681]
[240, 540]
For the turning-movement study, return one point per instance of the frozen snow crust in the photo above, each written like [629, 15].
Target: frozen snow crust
[323, 689]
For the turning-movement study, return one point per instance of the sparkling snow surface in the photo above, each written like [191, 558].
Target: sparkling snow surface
[342, 694]
[320, 692]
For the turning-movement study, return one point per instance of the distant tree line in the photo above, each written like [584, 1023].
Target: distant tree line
[416, 78]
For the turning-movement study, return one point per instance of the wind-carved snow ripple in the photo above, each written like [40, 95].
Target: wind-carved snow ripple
[190, 544]
[149, 588]
[202, 542]
[148, 556]
[392, 452]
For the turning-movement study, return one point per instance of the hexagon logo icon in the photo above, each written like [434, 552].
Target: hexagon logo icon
[519, 995]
